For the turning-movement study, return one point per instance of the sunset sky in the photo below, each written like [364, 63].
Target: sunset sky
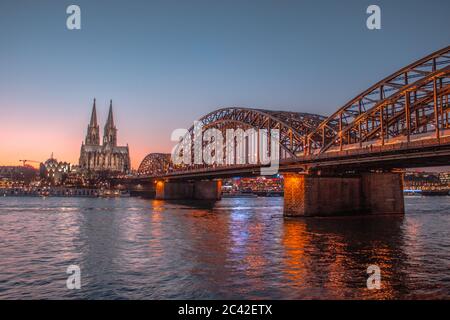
[166, 63]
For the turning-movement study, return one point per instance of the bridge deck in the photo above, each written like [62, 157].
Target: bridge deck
[420, 152]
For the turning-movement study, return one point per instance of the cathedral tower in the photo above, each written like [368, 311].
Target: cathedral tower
[93, 131]
[110, 132]
[108, 156]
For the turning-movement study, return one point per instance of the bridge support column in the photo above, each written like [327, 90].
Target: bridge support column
[208, 190]
[383, 193]
[186, 190]
[168, 190]
[371, 193]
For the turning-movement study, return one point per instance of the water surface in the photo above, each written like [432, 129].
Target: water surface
[131, 248]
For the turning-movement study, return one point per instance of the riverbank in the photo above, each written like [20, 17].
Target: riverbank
[61, 192]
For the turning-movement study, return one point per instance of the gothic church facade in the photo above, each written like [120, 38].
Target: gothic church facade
[106, 156]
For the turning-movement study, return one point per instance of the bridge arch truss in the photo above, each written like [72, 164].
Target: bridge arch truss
[293, 126]
[155, 164]
[381, 105]
[410, 104]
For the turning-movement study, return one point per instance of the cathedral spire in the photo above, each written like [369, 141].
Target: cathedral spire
[110, 121]
[93, 134]
[94, 116]
[110, 132]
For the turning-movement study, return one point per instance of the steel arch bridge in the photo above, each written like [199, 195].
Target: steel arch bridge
[405, 108]
[155, 164]
[293, 126]
[392, 107]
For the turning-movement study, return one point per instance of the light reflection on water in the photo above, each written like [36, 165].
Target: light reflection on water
[238, 248]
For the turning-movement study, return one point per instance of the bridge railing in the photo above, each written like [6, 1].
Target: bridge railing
[367, 151]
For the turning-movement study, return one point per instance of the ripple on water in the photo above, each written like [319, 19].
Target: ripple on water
[236, 248]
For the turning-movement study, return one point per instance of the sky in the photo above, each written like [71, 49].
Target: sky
[166, 63]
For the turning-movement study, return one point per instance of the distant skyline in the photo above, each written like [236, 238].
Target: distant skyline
[166, 63]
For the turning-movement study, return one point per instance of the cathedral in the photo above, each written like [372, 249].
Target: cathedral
[106, 156]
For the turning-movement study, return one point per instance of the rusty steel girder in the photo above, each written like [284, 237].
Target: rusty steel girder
[155, 164]
[418, 108]
[331, 131]
[293, 126]
[408, 104]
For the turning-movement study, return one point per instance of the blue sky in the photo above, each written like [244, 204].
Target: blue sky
[166, 63]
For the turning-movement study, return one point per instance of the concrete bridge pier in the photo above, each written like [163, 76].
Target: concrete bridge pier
[142, 188]
[368, 193]
[189, 190]
[208, 190]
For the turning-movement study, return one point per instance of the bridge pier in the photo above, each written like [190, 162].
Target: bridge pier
[382, 193]
[208, 190]
[369, 193]
[188, 190]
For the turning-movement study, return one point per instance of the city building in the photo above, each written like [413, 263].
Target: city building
[106, 156]
[14, 175]
[54, 171]
[259, 185]
[445, 178]
[422, 180]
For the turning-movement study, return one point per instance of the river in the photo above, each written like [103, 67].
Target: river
[131, 248]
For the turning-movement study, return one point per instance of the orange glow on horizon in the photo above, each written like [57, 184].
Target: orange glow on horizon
[12, 156]
[36, 136]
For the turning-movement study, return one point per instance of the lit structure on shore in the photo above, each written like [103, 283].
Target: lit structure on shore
[107, 156]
